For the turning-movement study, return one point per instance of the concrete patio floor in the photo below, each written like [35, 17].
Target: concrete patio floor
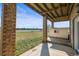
[50, 49]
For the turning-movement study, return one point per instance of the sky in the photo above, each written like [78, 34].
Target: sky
[28, 18]
[0, 13]
[61, 24]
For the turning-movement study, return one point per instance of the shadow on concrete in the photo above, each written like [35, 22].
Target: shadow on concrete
[63, 48]
[62, 45]
[44, 50]
[61, 41]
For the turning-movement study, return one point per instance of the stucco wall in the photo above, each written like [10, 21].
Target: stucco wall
[72, 18]
[60, 32]
[72, 33]
[76, 20]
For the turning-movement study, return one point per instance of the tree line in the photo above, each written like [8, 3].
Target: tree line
[28, 28]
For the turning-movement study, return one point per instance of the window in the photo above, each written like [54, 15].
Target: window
[63, 24]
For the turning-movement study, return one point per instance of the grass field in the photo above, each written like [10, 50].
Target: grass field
[26, 40]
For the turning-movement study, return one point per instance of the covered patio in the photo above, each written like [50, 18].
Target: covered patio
[51, 49]
[50, 46]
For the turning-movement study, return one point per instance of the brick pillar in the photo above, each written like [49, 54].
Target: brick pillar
[44, 29]
[8, 29]
[52, 24]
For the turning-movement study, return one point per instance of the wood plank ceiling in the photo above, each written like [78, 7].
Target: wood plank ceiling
[54, 11]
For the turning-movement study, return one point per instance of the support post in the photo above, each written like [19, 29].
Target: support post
[52, 24]
[8, 29]
[44, 29]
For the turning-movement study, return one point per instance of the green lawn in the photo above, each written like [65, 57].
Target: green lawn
[27, 40]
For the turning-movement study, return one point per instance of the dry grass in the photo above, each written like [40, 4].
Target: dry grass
[28, 35]
[27, 40]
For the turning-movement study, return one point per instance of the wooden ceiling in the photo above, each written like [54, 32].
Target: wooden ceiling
[54, 11]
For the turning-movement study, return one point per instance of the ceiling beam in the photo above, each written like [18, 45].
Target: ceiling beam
[37, 10]
[68, 7]
[54, 9]
[50, 17]
[63, 17]
[60, 20]
[61, 9]
[49, 14]
[33, 7]
[71, 8]
[48, 10]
